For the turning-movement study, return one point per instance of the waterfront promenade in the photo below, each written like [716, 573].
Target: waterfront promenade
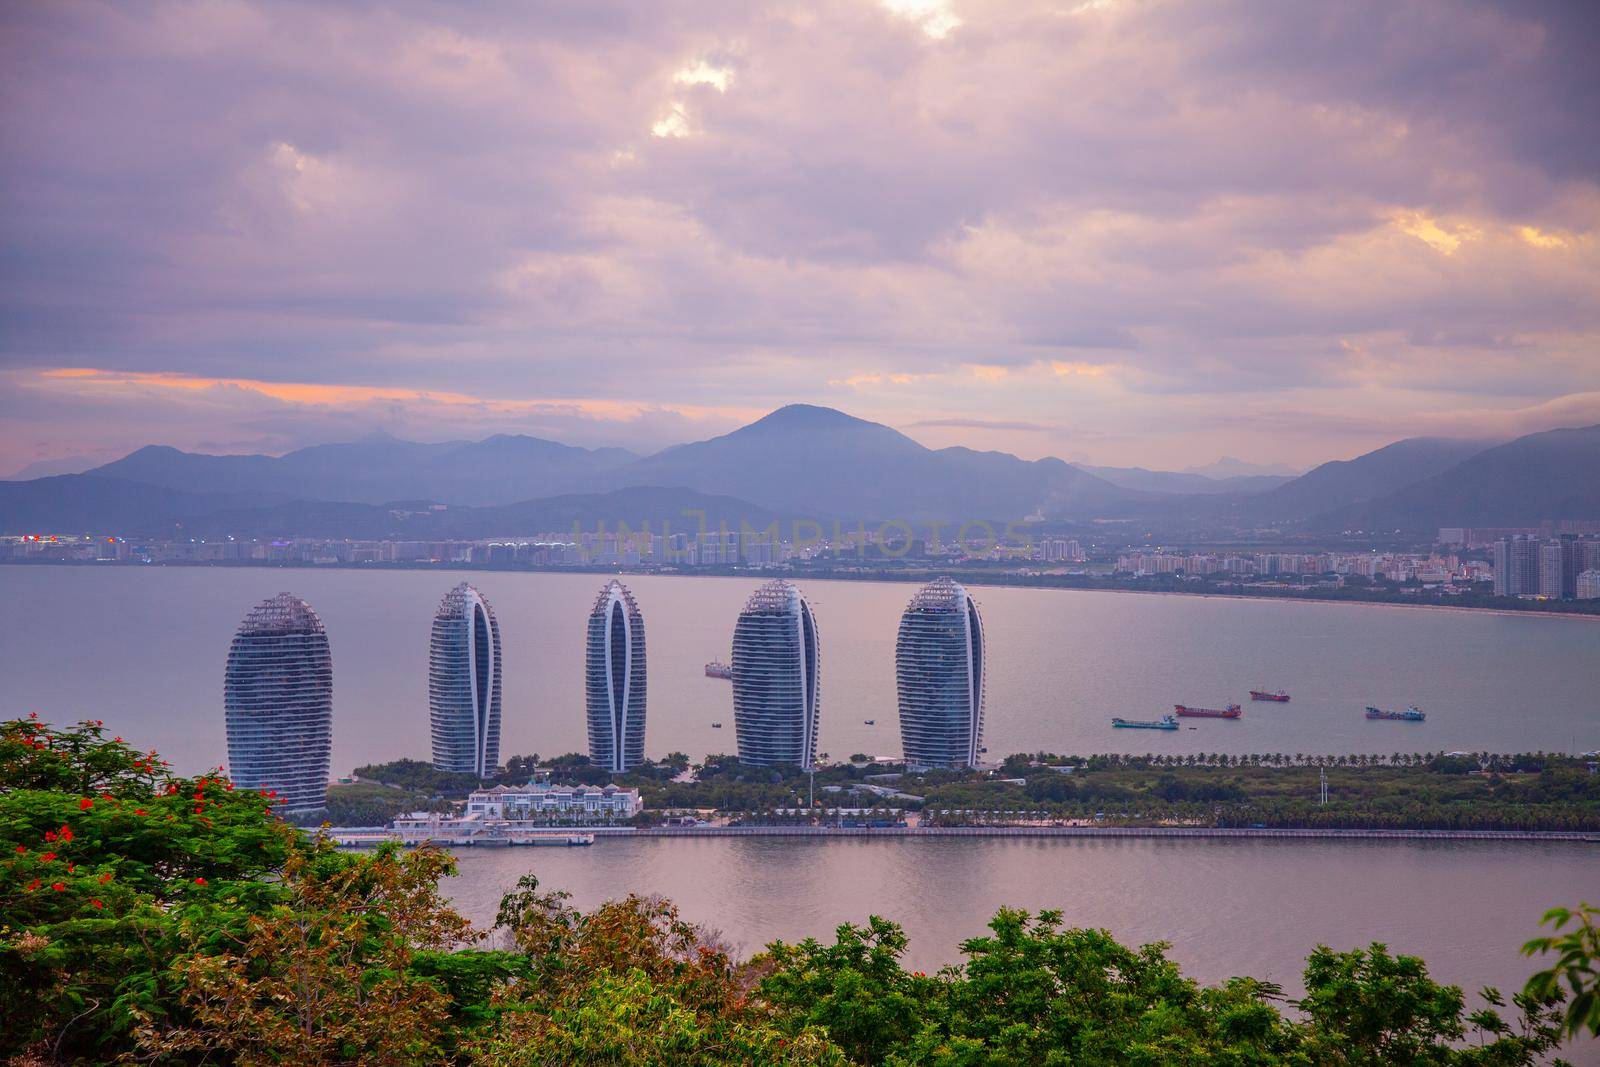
[370, 836]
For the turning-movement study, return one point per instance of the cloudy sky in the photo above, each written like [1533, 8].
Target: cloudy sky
[1119, 232]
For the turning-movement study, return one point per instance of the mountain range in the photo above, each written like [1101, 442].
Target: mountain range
[798, 461]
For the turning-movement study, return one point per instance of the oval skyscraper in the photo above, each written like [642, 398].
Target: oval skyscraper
[464, 684]
[278, 703]
[939, 668]
[775, 676]
[614, 680]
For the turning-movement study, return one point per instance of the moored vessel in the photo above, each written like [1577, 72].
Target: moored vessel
[1166, 722]
[1411, 714]
[1232, 711]
[1276, 695]
[718, 669]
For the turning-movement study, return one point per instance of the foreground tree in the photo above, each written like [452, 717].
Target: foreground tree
[630, 982]
[1577, 963]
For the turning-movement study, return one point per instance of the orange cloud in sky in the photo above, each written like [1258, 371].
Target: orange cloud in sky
[355, 395]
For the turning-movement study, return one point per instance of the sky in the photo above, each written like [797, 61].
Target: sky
[1122, 233]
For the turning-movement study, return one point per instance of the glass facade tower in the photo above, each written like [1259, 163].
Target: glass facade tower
[939, 669]
[775, 678]
[464, 684]
[614, 680]
[278, 703]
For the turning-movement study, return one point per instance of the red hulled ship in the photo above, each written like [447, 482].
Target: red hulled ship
[1261, 694]
[1232, 711]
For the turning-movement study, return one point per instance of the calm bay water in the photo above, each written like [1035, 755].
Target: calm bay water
[144, 650]
[1229, 907]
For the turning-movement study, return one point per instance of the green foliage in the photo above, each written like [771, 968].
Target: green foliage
[419, 776]
[372, 804]
[104, 855]
[855, 989]
[1577, 960]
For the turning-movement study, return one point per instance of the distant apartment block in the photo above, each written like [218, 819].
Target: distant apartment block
[278, 703]
[1587, 585]
[614, 680]
[541, 801]
[939, 675]
[1516, 566]
[775, 678]
[464, 676]
[1527, 566]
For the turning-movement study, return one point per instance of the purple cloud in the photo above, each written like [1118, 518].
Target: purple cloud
[638, 223]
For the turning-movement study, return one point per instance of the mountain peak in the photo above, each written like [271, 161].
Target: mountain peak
[807, 416]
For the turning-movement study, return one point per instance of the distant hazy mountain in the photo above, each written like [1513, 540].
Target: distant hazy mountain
[1344, 482]
[638, 508]
[85, 503]
[499, 470]
[90, 504]
[1550, 475]
[1150, 481]
[49, 468]
[822, 463]
[797, 462]
[1228, 467]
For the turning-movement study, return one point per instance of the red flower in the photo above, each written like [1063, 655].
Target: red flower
[138, 811]
[85, 804]
[198, 809]
[47, 856]
[104, 878]
[199, 881]
[33, 885]
[118, 740]
[49, 835]
[96, 903]
[22, 849]
[64, 833]
[58, 887]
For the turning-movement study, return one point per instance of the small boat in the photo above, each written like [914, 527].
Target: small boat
[718, 669]
[1232, 711]
[1411, 714]
[716, 726]
[1166, 722]
[1276, 695]
[869, 722]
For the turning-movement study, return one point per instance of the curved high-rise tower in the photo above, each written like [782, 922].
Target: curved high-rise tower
[464, 684]
[775, 678]
[614, 680]
[939, 667]
[277, 697]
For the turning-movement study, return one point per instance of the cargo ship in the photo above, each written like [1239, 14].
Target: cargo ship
[1232, 711]
[1411, 714]
[1166, 722]
[1278, 696]
[718, 669]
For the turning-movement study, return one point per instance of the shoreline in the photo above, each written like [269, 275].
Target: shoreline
[885, 577]
[360, 837]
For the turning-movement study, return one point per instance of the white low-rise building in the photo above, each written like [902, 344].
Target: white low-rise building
[541, 801]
